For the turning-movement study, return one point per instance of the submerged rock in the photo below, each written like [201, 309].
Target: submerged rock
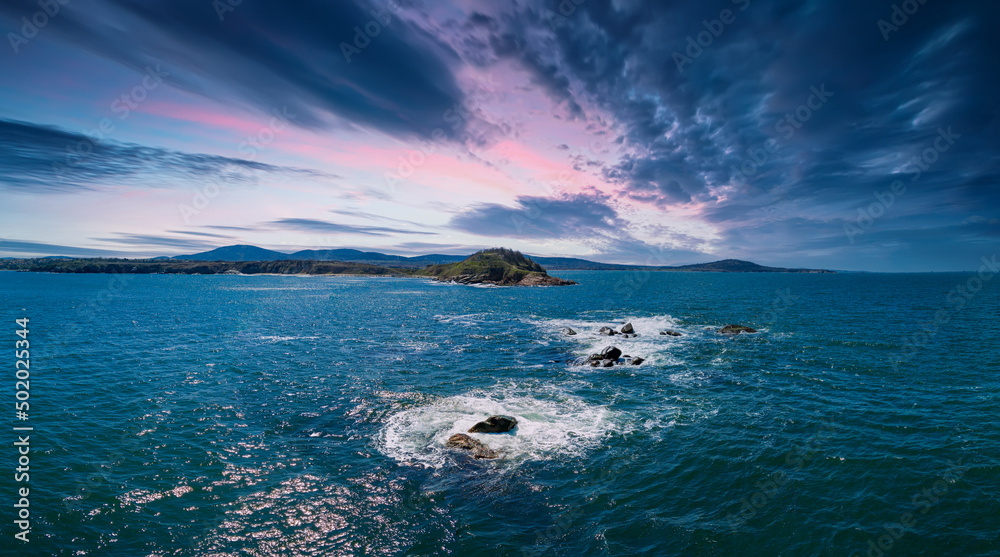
[607, 363]
[736, 329]
[636, 361]
[627, 329]
[495, 424]
[568, 331]
[670, 332]
[477, 448]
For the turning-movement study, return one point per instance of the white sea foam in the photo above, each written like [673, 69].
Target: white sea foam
[650, 344]
[547, 427]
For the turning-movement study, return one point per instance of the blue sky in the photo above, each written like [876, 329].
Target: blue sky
[853, 134]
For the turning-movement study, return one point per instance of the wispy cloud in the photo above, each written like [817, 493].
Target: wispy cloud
[325, 227]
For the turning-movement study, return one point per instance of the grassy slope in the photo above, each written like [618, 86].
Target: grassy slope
[499, 265]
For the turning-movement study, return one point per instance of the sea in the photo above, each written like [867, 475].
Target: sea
[307, 416]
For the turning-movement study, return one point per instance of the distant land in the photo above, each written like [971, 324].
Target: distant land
[248, 259]
[254, 253]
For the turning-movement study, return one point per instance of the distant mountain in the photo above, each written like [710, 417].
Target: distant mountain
[236, 253]
[738, 266]
[254, 253]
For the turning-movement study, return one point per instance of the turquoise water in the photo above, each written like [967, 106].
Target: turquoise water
[264, 415]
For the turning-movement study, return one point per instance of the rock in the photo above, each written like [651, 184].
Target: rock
[671, 333]
[636, 361]
[608, 363]
[607, 331]
[627, 329]
[736, 329]
[629, 335]
[494, 424]
[477, 448]
[595, 363]
[610, 353]
[539, 279]
[568, 331]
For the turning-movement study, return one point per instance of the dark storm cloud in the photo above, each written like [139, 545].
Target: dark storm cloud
[803, 105]
[324, 227]
[274, 55]
[48, 159]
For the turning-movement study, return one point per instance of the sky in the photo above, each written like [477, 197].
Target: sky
[839, 134]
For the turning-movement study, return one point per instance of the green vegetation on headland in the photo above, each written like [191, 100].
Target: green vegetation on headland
[494, 266]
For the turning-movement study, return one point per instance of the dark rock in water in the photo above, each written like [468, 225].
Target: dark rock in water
[593, 357]
[568, 331]
[608, 363]
[671, 333]
[477, 448]
[494, 424]
[736, 329]
[629, 335]
[637, 361]
[627, 329]
[607, 331]
[610, 353]
[595, 363]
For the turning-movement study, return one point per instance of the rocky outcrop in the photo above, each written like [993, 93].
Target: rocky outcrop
[495, 424]
[499, 266]
[670, 332]
[466, 443]
[736, 329]
[627, 329]
[609, 357]
[541, 279]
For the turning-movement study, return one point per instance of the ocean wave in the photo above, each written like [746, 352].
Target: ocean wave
[649, 344]
[548, 428]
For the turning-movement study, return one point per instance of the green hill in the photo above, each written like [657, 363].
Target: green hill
[498, 266]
